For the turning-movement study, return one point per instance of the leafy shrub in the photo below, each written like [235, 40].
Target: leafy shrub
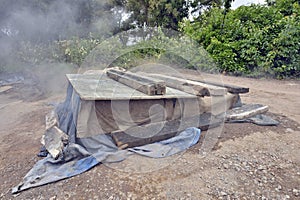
[153, 45]
[254, 39]
[76, 49]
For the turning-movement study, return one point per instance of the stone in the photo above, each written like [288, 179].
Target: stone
[289, 130]
[261, 167]
[296, 192]
[52, 198]
[237, 169]
[226, 166]
[279, 187]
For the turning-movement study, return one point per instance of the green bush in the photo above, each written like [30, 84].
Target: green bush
[254, 40]
[158, 46]
[76, 49]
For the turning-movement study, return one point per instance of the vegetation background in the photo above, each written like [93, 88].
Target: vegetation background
[254, 40]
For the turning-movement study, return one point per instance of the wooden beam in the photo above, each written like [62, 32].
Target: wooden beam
[191, 87]
[143, 84]
[230, 88]
[154, 132]
[245, 112]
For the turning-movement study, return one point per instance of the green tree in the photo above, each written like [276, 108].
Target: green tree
[253, 39]
[153, 13]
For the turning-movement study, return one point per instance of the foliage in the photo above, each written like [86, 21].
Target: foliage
[71, 51]
[148, 45]
[154, 13]
[254, 39]
[76, 49]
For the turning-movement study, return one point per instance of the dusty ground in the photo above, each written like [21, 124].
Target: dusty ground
[247, 162]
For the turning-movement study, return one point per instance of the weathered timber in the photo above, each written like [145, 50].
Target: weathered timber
[54, 141]
[143, 84]
[191, 87]
[154, 132]
[230, 88]
[100, 87]
[245, 111]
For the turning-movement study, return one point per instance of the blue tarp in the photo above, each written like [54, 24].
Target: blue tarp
[89, 152]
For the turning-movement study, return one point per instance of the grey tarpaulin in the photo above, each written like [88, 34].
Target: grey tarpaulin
[262, 120]
[68, 113]
[170, 146]
[91, 151]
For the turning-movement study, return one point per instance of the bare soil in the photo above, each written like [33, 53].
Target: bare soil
[246, 162]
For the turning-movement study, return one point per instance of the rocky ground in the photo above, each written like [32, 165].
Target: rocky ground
[245, 162]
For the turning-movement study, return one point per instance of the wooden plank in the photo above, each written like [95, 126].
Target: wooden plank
[154, 132]
[143, 84]
[230, 88]
[5, 88]
[100, 87]
[191, 87]
[129, 138]
[245, 111]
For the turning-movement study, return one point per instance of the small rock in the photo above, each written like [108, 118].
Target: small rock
[52, 198]
[226, 166]
[223, 193]
[258, 192]
[273, 179]
[289, 130]
[237, 169]
[111, 198]
[15, 195]
[278, 188]
[296, 192]
[264, 179]
[261, 167]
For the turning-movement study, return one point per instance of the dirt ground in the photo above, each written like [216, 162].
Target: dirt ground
[247, 161]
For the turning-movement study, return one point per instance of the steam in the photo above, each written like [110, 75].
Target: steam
[42, 22]
[58, 20]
